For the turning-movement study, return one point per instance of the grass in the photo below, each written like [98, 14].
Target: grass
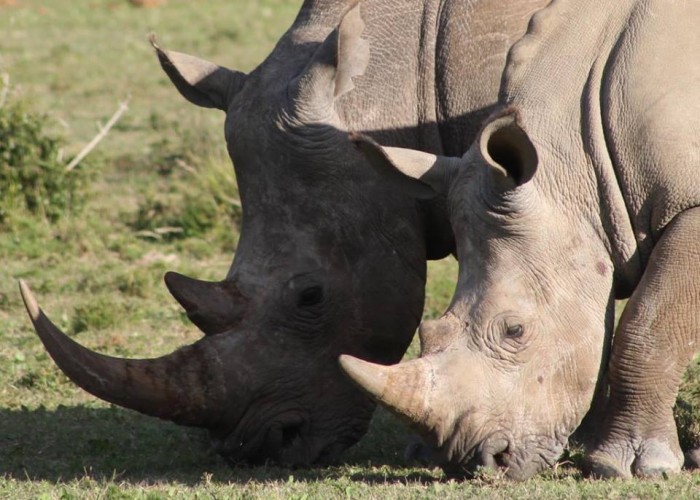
[99, 273]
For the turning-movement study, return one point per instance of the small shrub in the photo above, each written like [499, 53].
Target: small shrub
[32, 178]
[687, 409]
[200, 200]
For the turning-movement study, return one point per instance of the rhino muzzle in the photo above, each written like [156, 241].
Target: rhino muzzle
[408, 390]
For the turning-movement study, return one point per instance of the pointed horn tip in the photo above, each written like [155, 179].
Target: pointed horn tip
[369, 376]
[152, 39]
[30, 302]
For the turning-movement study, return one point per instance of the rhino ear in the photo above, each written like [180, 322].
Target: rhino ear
[507, 149]
[352, 52]
[200, 82]
[343, 55]
[418, 174]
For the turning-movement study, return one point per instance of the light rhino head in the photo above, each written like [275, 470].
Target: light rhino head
[329, 261]
[508, 372]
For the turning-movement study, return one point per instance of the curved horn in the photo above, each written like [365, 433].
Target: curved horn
[404, 388]
[186, 386]
[213, 306]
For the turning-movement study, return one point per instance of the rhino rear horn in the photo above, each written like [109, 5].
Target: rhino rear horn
[201, 82]
[213, 306]
[186, 387]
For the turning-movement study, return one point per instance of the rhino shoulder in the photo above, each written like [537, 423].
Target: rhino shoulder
[651, 112]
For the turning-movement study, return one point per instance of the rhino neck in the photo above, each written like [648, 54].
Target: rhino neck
[554, 79]
[473, 39]
[462, 61]
[396, 101]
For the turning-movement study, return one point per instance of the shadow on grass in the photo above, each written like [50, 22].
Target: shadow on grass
[72, 443]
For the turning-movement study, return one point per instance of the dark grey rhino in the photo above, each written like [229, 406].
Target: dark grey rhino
[330, 260]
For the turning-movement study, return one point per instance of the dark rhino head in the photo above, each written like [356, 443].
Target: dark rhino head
[329, 261]
[509, 371]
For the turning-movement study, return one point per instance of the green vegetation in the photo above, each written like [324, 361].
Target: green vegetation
[32, 177]
[158, 194]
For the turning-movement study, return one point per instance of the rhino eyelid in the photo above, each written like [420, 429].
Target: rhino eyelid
[515, 331]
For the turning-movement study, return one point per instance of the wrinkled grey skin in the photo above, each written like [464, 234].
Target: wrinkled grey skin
[581, 189]
[330, 259]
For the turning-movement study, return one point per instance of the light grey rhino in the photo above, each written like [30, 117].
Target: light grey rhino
[329, 260]
[581, 188]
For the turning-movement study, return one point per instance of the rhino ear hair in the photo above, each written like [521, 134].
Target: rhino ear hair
[201, 82]
[343, 55]
[507, 149]
[418, 174]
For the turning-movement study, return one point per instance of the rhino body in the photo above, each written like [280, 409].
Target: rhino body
[581, 188]
[330, 260]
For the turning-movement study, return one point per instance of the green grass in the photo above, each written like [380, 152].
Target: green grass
[99, 273]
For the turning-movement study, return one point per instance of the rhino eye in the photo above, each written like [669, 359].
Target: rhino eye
[310, 296]
[515, 331]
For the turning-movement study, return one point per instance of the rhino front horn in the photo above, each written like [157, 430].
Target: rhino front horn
[186, 386]
[403, 389]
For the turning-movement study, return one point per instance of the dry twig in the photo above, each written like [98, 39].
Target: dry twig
[100, 135]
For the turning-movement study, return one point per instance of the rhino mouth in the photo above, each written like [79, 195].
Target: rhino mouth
[515, 462]
[493, 453]
[287, 441]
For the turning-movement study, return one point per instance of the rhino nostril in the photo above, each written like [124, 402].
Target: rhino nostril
[290, 435]
[493, 455]
[501, 460]
[487, 460]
